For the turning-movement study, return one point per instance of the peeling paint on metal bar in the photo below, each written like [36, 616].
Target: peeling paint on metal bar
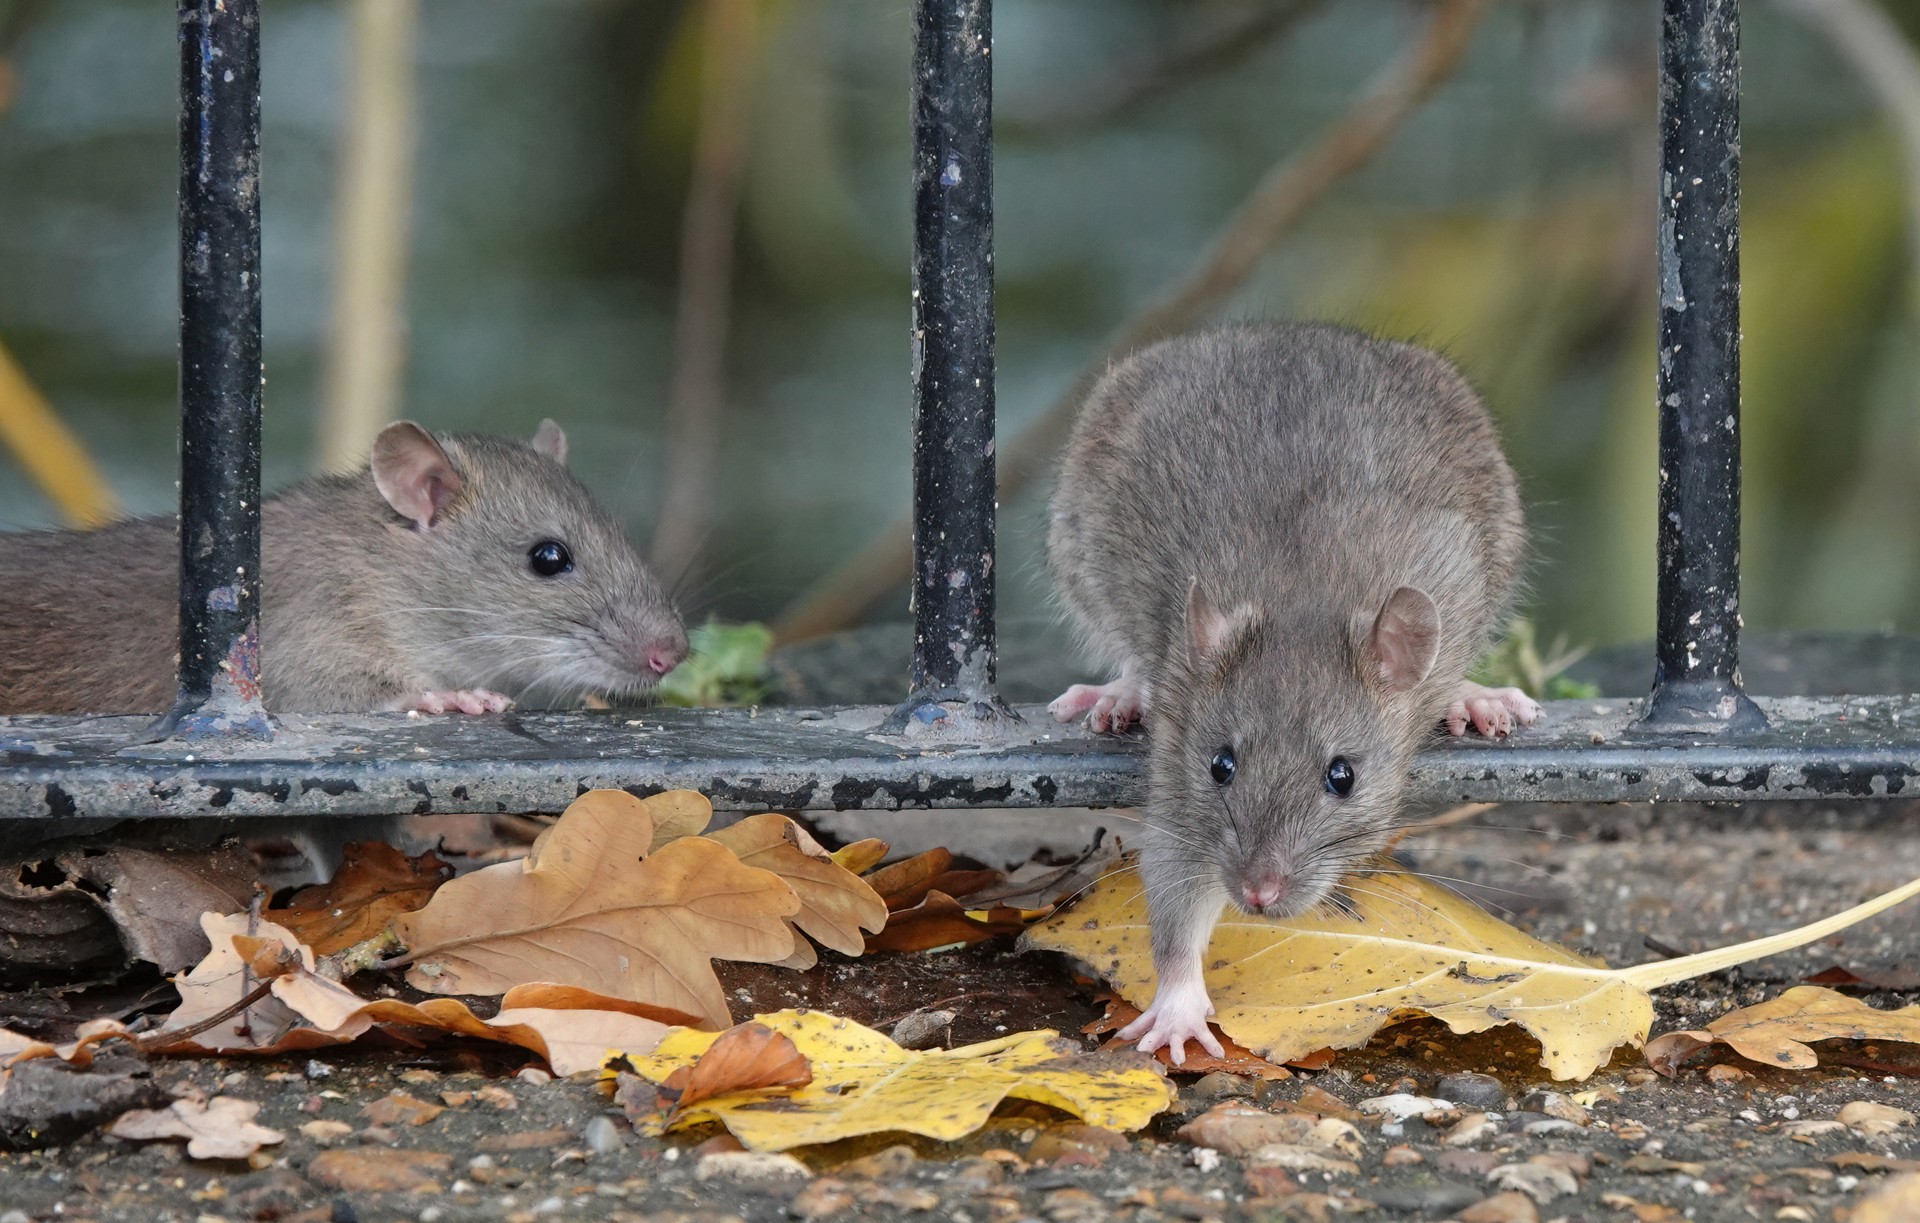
[834, 759]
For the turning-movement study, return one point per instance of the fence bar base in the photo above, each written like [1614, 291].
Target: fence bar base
[838, 759]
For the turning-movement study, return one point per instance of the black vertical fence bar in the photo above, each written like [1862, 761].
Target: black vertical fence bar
[220, 382]
[1696, 666]
[953, 463]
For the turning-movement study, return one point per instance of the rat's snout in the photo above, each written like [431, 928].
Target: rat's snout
[1266, 891]
[665, 654]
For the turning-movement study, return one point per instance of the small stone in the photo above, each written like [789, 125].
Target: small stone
[1401, 1157]
[523, 1140]
[318, 1070]
[1323, 1103]
[603, 1137]
[897, 1198]
[419, 1076]
[1085, 1146]
[1553, 1104]
[823, 1199]
[400, 1108]
[495, 1096]
[1269, 1183]
[1869, 1119]
[891, 1164]
[1237, 1129]
[753, 1169]
[1186, 1204]
[1426, 1194]
[1641, 1077]
[977, 1175]
[1467, 1163]
[1807, 1129]
[313, 1104]
[363, 1170]
[326, 1133]
[1337, 1136]
[15, 1216]
[1204, 1158]
[1507, 1207]
[1400, 1106]
[534, 1076]
[1723, 1074]
[722, 1141]
[273, 1194]
[1655, 1165]
[1541, 1182]
[922, 1029]
[1548, 1125]
[1221, 1086]
[1481, 1091]
[1572, 1161]
[1471, 1129]
[1300, 1159]
[1074, 1205]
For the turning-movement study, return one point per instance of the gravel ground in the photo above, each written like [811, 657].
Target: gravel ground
[1726, 1140]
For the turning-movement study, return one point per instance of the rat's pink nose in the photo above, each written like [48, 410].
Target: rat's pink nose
[664, 656]
[1265, 893]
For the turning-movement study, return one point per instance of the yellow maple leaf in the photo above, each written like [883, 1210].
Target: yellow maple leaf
[1287, 988]
[863, 1083]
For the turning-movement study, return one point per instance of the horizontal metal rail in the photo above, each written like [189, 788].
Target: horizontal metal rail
[836, 759]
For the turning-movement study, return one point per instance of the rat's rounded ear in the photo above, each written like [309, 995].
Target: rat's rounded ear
[551, 440]
[413, 473]
[1401, 641]
[1210, 631]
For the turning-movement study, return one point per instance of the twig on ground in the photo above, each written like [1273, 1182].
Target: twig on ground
[1278, 203]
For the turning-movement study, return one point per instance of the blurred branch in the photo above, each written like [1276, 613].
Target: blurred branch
[1277, 203]
[52, 456]
[1226, 43]
[697, 399]
[360, 390]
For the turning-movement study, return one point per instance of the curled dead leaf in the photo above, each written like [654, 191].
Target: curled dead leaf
[941, 921]
[375, 884]
[746, 1057]
[836, 905]
[1782, 1031]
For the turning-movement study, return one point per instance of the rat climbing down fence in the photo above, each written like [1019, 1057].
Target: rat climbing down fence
[952, 743]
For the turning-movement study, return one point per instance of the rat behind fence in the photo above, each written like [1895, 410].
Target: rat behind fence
[451, 574]
[1291, 542]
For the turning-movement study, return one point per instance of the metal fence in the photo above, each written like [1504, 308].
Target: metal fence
[953, 743]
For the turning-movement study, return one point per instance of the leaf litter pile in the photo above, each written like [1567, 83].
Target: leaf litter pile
[596, 954]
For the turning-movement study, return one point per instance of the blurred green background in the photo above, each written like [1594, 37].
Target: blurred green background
[1509, 223]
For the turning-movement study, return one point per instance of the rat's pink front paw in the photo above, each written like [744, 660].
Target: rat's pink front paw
[460, 700]
[1106, 707]
[1491, 711]
[1178, 1015]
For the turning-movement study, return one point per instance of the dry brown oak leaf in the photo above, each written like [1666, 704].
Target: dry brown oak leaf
[375, 884]
[1781, 1031]
[590, 907]
[748, 1057]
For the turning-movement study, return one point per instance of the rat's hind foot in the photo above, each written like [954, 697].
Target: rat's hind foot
[460, 700]
[1178, 1015]
[1106, 707]
[1491, 711]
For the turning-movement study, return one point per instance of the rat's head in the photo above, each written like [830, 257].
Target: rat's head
[522, 581]
[1291, 743]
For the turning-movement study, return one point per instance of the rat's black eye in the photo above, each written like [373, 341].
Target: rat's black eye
[549, 558]
[1223, 766]
[1339, 777]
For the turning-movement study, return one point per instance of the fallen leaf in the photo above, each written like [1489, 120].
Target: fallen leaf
[906, 883]
[375, 884]
[836, 905]
[863, 1083]
[1872, 1120]
[746, 1057]
[1237, 1060]
[586, 908]
[675, 813]
[1873, 1161]
[1410, 946]
[1781, 1031]
[861, 856]
[69, 906]
[223, 978]
[1883, 980]
[941, 921]
[220, 1128]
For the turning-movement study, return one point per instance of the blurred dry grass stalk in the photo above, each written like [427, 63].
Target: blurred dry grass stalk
[360, 391]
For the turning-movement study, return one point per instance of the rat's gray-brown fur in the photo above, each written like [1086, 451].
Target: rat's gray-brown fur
[1235, 513]
[362, 608]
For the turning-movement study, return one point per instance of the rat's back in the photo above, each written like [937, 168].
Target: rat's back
[1278, 462]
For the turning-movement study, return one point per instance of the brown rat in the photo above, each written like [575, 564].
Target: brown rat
[451, 573]
[1291, 542]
